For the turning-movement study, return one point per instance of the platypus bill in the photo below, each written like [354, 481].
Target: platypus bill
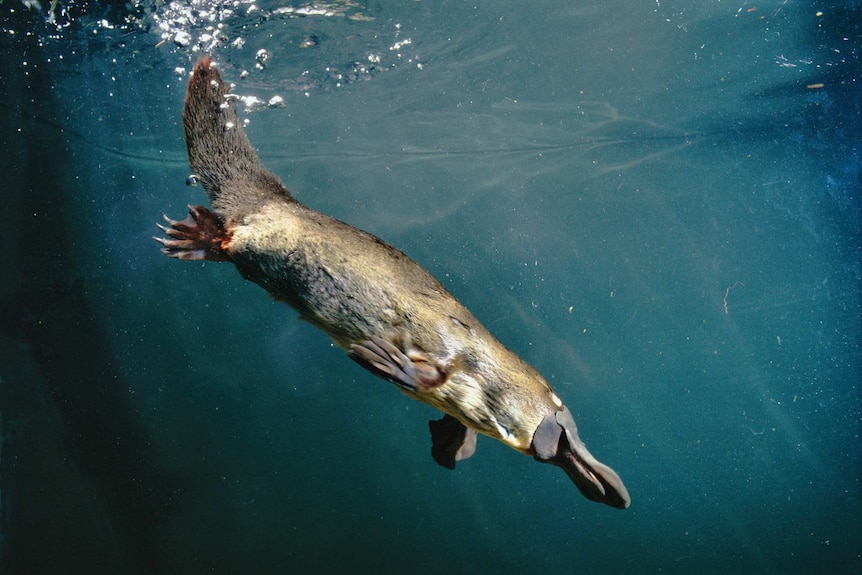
[390, 315]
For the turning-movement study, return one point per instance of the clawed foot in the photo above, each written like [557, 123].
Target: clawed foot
[201, 236]
[413, 372]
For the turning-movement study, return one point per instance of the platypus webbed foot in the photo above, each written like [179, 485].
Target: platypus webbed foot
[201, 236]
[451, 441]
[411, 370]
[556, 442]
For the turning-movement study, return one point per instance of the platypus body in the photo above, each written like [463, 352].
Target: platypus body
[391, 315]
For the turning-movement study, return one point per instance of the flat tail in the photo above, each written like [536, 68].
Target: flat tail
[221, 156]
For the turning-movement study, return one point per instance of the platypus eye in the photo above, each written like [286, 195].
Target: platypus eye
[461, 323]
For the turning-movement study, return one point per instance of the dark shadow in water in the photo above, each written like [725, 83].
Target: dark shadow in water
[79, 490]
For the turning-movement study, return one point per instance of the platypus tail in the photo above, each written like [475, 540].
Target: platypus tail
[221, 157]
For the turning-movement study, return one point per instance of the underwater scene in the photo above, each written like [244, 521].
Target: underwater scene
[654, 204]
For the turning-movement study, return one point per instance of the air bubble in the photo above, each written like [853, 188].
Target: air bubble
[261, 57]
[182, 38]
[192, 180]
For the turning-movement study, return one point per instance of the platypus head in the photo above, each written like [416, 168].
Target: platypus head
[556, 442]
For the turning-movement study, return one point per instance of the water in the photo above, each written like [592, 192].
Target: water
[656, 205]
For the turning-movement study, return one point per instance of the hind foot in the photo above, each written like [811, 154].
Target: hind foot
[201, 236]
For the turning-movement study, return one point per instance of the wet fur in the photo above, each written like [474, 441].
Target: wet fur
[350, 284]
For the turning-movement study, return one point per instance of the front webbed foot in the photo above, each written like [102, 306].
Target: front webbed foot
[201, 236]
[412, 370]
[451, 441]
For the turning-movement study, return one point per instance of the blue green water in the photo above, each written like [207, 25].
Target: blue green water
[657, 205]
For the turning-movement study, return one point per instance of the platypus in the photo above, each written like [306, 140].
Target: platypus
[391, 316]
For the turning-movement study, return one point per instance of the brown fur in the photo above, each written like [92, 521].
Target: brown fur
[352, 285]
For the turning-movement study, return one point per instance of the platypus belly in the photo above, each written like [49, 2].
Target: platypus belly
[391, 315]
